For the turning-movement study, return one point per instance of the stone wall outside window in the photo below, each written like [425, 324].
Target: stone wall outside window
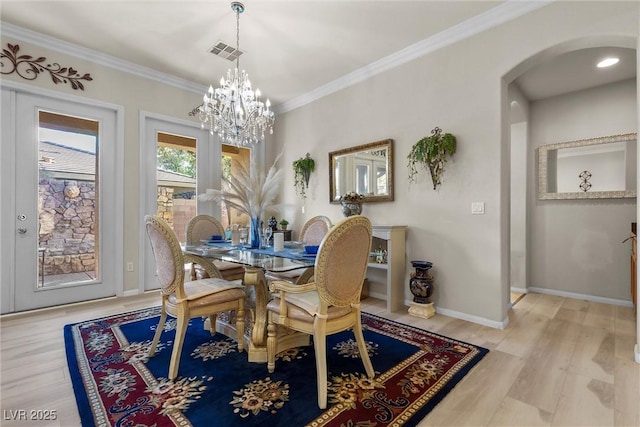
[67, 225]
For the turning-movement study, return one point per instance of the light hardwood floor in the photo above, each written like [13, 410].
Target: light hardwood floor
[559, 362]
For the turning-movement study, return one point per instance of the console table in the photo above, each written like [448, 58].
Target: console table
[394, 237]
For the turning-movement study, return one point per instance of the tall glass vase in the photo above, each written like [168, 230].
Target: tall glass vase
[256, 232]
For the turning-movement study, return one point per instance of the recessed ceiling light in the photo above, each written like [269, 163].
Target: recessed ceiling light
[608, 62]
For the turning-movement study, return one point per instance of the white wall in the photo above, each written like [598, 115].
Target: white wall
[576, 245]
[519, 114]
[518, 218]
[460, 89]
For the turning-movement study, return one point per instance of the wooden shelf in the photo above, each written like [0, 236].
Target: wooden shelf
[378, 265]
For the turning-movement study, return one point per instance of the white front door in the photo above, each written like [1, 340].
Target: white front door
[60, 201]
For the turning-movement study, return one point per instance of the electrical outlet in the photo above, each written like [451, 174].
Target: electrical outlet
[477, 208]
[129, 266]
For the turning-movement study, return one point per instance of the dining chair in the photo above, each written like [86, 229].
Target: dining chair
[312, 233]
[202, 227]
[314, 230]
[331, 303]
[187, 300]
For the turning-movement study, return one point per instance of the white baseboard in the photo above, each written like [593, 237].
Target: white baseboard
[585, 297]
[464, 316]
[505, 322]
[474, 319]
[378, 295]
[130, 293]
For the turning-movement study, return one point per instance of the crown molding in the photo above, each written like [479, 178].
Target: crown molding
[498, 15]
[48, 42]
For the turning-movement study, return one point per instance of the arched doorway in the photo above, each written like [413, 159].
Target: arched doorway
[560, 273]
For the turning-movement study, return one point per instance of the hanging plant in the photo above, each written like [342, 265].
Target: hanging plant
[302, 169]
[431, 153]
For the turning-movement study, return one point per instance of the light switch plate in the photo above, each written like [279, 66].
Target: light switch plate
[477, 208]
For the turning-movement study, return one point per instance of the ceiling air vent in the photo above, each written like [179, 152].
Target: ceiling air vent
[225, 51]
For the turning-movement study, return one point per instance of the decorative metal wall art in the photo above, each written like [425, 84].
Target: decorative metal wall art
[29, 68]
[584, 176]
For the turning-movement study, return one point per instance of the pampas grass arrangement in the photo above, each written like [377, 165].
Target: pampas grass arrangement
[250, 193]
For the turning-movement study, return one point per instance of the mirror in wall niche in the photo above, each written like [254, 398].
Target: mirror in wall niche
[366, 169]
[595, 168]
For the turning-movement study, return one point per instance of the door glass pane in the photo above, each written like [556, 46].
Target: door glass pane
[176, 178]
[68, 200]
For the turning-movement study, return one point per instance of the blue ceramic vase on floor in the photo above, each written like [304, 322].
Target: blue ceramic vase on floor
[421, 282]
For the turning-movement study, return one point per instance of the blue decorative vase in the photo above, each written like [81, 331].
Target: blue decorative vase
[421, 282]
[255, 233]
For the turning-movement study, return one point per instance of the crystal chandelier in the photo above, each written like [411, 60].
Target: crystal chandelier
[234, 111]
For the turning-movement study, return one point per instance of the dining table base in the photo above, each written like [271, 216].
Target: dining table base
[255, 333]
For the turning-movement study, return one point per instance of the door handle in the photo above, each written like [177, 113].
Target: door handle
[22, 230]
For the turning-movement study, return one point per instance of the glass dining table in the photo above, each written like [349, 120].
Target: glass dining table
[256, 262]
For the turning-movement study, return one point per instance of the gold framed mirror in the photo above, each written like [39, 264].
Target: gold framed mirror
[365, 169]
[594, 168]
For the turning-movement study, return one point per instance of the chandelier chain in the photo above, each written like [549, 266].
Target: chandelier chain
[237, 38]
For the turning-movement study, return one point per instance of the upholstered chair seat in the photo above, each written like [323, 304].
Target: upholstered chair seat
[209, 291]
[304, 307]
[228, 270]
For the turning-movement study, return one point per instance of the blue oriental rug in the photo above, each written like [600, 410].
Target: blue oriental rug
[115, 384]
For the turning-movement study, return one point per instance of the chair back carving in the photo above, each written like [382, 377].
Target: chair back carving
[168, 254]
[314, 230]
[203, 227]
[341, 263]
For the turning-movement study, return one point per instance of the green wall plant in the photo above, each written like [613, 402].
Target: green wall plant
[302, 169]
[431, 153]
